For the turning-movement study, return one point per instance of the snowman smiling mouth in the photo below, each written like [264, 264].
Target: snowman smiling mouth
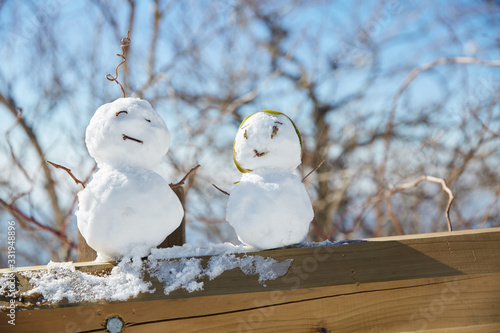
[125, 137]
[258, 154]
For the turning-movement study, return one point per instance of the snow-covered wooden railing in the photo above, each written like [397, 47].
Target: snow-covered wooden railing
[429, 282]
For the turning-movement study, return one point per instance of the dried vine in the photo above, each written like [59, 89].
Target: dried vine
[125, 42]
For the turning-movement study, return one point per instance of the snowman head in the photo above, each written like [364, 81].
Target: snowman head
[267, 139]
[127, 133]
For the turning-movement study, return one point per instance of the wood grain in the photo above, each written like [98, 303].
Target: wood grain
[443, 282]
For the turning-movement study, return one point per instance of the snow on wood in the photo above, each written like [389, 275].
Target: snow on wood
[431, 282]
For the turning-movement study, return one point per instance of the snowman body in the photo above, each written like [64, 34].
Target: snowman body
[269, 207]
[127, 206]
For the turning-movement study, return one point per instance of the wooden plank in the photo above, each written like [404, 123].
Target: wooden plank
[85, 252]
[375, 285]
[178, 237]
[342, 264]
[380, 307]
[398, 306]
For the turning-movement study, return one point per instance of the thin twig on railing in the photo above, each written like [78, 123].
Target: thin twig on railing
[405, 186]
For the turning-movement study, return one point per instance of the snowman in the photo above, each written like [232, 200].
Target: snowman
[269, 207]
[127, 206]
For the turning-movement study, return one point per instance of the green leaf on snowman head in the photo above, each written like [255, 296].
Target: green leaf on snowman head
[238, 166]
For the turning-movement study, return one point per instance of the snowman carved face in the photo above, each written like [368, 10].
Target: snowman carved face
[267, 139]
[127, 133]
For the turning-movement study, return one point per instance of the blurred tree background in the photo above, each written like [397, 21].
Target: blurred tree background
[384, 91]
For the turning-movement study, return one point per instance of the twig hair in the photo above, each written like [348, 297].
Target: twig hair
[125, 42]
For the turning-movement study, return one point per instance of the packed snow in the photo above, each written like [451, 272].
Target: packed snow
[60, 281]
[113, 131]
[127, 205]
[175, 268]
[267, 139]
[269, 207]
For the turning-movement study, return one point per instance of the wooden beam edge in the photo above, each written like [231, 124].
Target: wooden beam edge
[339, 265]
[174, 314]
[404, 239]
[440, 234]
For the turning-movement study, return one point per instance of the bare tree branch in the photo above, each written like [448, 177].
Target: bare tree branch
[20, 215]
[414, 73]
[50, 184]
[11, 149]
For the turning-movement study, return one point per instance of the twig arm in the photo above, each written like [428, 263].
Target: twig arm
[183, 180]
[316, 168]
[77, 181]
[222, 191]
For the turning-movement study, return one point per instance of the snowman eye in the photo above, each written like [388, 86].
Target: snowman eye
[245, 133]
[275, 129]
[122, 111]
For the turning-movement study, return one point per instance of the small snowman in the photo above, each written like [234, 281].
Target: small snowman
[269, 207]
[127, 206]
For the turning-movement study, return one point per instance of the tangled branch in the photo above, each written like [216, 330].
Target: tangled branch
[414, 73]
[9, 143]
[125, 42]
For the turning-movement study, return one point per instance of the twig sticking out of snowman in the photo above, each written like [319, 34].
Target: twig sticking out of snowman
[269, 207]
[68, 170]
[125, 42]
[127, 208]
